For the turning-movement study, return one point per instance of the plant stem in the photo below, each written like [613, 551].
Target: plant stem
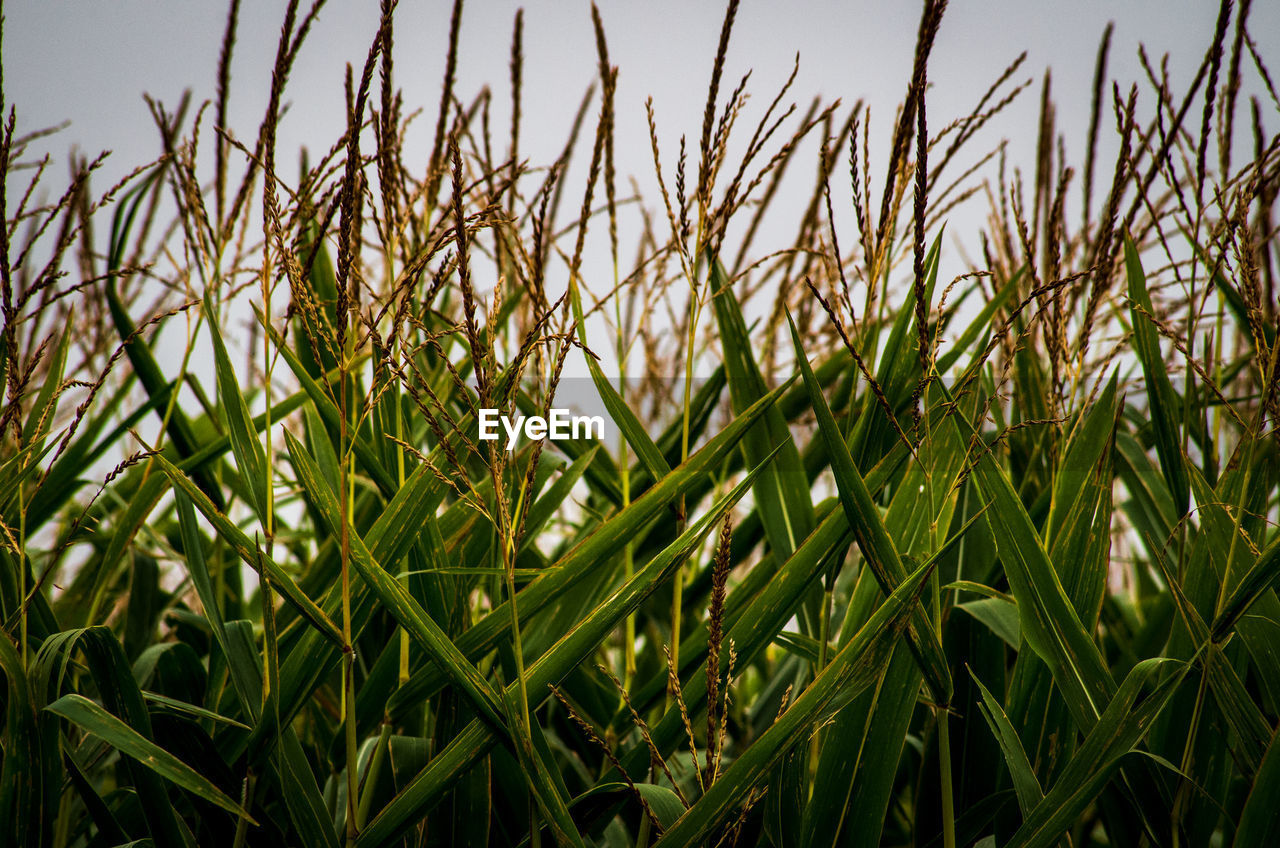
[824, 636]
[944, 765]
[347, 484]
[677, 591]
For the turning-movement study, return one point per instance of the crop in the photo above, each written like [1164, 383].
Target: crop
[868, 557]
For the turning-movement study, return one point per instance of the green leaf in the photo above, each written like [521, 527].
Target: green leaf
[19, 770]
[980, 323]
[554, 498]
[119, 691]
[244, 676]
[587, 554]
[1259, 822]
[1049, 623]
[666, 805]
[92, 718]
[366, 453]
[869, 531]
[750, 626]
[251, 459]
[190, 709]
[159, 389]
[1162, 402]
[475, 740]
[1252, 731]
[1078, 531]
[1025, 783]
[859, 756]
[855, 667]
[632, 430]
[897, 372]
[999, 615]
[395, 597]
[129, 523]
[783, 498]
[1122, 726]
[1258, 580]
[252, 554]
[41, 415]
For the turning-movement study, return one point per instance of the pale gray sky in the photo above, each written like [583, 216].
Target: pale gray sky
[90, 62]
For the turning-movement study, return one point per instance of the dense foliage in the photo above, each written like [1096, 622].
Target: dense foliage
[869, 557]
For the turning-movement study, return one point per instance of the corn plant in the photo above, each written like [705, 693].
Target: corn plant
[868, 557]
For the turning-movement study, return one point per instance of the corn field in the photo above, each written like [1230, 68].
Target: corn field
[869, 554]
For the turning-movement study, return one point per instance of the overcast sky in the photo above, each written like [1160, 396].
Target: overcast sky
[90, 62]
